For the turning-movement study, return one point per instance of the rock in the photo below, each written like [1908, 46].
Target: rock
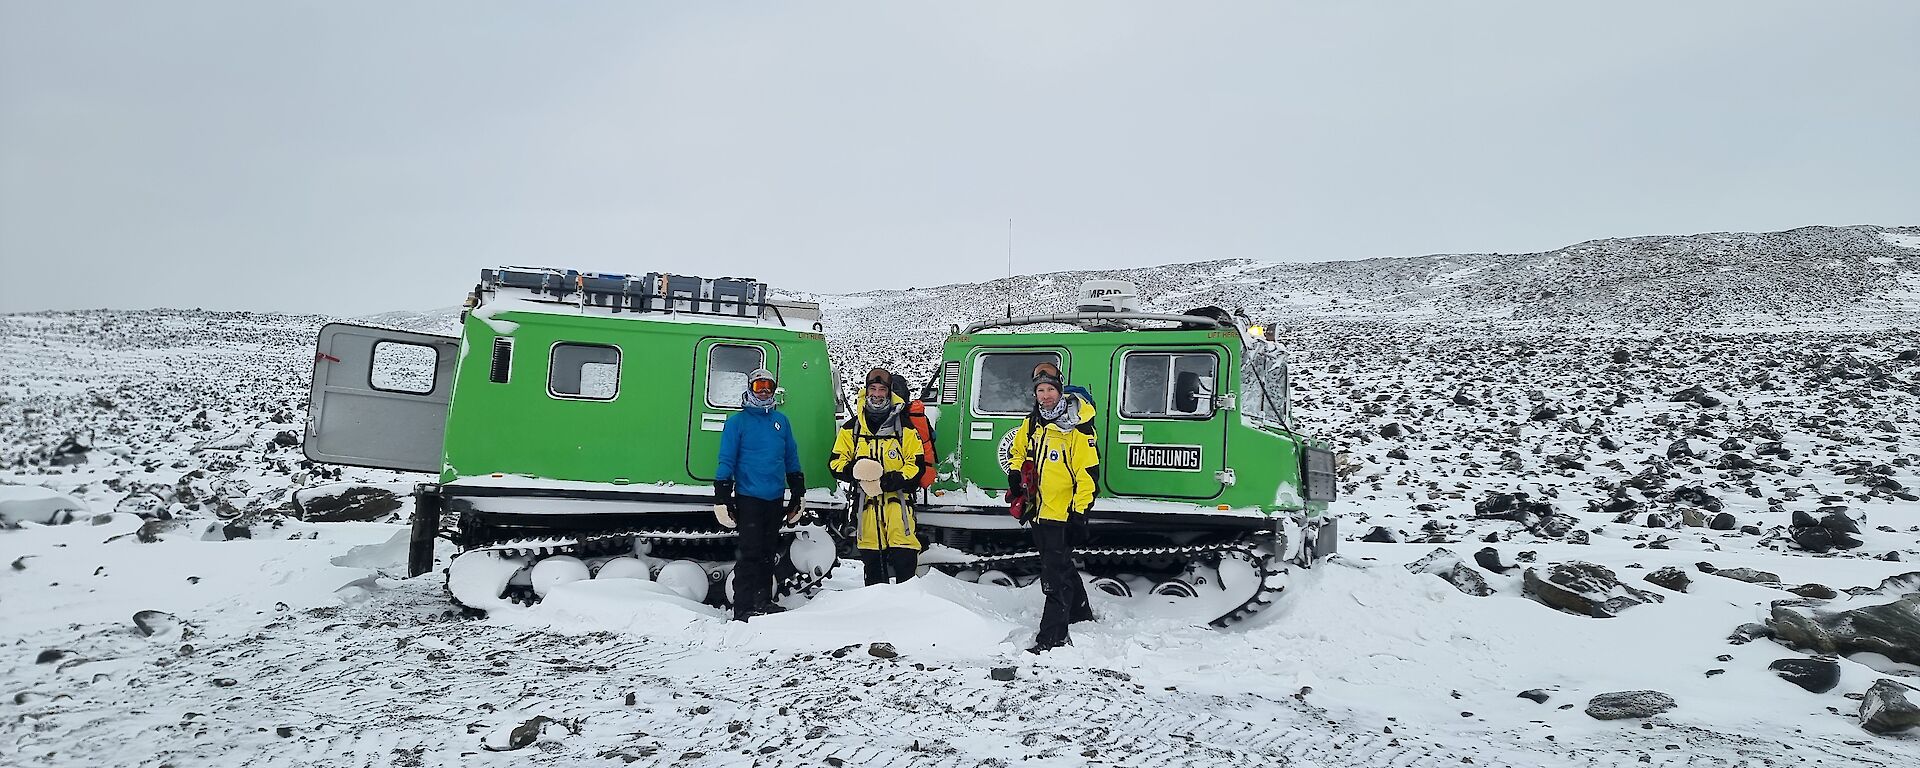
[1722, 522]
[1670, 578]
[1815, 675]
[1747, 633]
[1891, 629]
[1697, 395]
[1656, 520]
[286, 438]
[1554, 525]
[1583, 589]
[1751, 530]
[1003, 674]
[1392, 429]
[1381, 535]
[1886, 709]
[1566, 461]
[1748, 575]
[1444, 563]
[1398, 453]
[344, 503]
[518, 737]
[1620, 357]
[1698, 497]
[882, 651]
[1815, 591]
[1682, 449]
[236, 531]
[1544, 413]
[1461, 398]
[153, 623]
[1535, 695]
[1577, 537]
[1489, 558]
[1629, 704]
[1838, 522]
[1693, 518]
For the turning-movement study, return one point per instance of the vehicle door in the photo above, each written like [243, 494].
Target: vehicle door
[1165, 436]
[720, 370]
[379, 397]
[999, 395]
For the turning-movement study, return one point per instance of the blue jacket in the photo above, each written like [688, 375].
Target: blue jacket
[757, 452]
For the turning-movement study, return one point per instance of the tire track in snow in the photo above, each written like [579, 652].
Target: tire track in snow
[397, 681]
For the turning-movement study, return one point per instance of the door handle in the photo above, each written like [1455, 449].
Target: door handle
[713, 422]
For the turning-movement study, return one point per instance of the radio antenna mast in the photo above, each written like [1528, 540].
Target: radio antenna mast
[1009, 268]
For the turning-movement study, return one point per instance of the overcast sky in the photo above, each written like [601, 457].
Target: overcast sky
[355, 157]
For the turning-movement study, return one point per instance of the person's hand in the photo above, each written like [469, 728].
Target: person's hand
[795, 513]
[723, 515]
[894, 481]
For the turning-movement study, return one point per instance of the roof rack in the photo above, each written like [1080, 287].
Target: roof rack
[652, 292]
[1100, 320]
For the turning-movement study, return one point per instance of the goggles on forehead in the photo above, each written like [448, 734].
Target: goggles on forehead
[761, 386]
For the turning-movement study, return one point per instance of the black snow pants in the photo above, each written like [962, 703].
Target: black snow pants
[1066, 597]
[898, 562]
[759, 528]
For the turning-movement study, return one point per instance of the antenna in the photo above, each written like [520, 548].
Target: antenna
[1009, 268]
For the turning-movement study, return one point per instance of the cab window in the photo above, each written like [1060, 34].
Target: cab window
[1003, 381]
[728, 366]
[1168, 385]
[583, 371]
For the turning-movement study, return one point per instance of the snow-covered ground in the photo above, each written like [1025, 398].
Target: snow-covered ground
[176, 612]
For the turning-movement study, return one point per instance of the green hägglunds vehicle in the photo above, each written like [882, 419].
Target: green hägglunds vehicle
[575, 425]
[1206, 489]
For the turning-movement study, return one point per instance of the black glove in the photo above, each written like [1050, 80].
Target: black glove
[1028, 513]
[796, 489]
[894, 481]
[1014, 486]
[723, 492]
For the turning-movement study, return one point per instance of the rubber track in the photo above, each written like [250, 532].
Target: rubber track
[1261, 597]
[612, 542]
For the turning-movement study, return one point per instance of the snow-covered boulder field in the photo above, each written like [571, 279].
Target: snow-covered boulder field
[1635, 502]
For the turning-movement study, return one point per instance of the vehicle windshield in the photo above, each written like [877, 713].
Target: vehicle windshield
[1263, 382]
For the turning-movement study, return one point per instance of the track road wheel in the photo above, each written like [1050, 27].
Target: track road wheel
[1174, 588]
[685, 578]
[1111, 586]
[997, 578]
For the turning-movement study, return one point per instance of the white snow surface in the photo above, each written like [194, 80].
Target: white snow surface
[304, 645]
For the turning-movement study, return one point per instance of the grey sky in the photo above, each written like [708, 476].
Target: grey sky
[348, 158]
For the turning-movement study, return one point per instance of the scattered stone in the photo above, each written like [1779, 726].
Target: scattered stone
[1629, 704]
[1747, 575]
[1444, 563]
[333, 504]
[1891, 629]
[153, 623]
[1838, 522]
[1380, 535]
[1670, 577]
[1489, 558]
[1392, 429]
[1697, 395]
[1815, 675]
[1577, 537]
[1886, 709]
[1535, 695]
[1815, 591]
[520, 736]
[286, 438]
[1722, 522]
[1583, 589]
[882, 651]
[1003, 674]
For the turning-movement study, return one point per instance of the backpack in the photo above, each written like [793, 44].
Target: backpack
[916, 416]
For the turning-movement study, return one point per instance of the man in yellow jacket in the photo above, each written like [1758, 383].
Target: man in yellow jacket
[878, 452]
[1054, 494]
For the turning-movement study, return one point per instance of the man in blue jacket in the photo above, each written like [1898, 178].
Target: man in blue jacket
[757, 454]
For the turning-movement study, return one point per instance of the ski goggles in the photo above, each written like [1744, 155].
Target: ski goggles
[761, 386]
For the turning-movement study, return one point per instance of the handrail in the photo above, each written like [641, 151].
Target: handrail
[1077, 317]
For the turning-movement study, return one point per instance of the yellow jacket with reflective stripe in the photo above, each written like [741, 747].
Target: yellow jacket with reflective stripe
[894, 444]
[1063, 458]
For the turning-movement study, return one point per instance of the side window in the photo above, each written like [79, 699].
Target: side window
[728, 366]
[401, 367]
[583, 371]
[1003, 381]
[1160, 385]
